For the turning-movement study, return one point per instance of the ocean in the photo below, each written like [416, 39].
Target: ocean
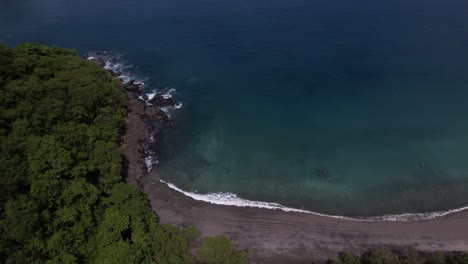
[344, 107]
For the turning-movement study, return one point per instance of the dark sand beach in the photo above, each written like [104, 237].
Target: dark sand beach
[287, 237]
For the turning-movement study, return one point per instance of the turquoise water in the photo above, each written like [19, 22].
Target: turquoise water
[340, 107]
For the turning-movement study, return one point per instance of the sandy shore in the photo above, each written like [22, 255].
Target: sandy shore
[287, 237]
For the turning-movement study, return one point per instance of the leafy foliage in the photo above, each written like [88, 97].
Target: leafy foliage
[219, 249]
[62, 197]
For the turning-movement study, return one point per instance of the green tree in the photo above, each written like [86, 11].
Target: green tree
[380, 256]
[219, 249]
[346, 258]
[62, 195]
[436, 258]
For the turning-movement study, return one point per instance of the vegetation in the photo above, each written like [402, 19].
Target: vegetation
[219, 249]
[62, 197]
[406, 256]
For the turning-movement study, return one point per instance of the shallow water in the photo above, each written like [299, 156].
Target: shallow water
[340, 107]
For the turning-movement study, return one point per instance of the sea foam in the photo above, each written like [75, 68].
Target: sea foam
[126, 73]
[231, 199]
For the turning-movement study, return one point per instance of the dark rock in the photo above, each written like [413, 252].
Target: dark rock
[159, 101]
[157, 114]
[321, 172]
[115, 73]
[133, 87]
[151, 111]
[162, 117]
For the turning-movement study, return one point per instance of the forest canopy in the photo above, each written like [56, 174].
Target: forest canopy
[62, 194]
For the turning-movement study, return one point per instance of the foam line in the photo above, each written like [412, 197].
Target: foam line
[231, 199]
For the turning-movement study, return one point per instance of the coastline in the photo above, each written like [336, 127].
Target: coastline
[230, 199]
[275, 236]
[132, 141]
[147, 115]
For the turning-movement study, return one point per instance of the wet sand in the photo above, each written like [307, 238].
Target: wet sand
[287, 237]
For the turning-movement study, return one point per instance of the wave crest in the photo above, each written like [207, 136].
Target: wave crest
[231, 199]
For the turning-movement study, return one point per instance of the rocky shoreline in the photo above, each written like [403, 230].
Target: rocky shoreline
[146, 119]
[273, 235]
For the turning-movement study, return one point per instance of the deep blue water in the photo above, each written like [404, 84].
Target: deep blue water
[354, 107]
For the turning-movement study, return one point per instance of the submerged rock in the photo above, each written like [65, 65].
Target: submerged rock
[322, 172]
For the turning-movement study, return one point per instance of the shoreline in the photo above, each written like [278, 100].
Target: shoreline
[144, 109]
[275, 236]
[231, 199]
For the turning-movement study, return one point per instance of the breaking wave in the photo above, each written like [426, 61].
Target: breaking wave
[231, 199]
[129, 76]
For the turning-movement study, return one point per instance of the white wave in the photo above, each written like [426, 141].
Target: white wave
[125, 66]
[231, 199]
[114, 64]
[167, 110]
[152, 94]
[168, 94]
[125, 78]
[108, 65]
[150, 159]
[139, 82]
[149, 163]
[417, 216]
